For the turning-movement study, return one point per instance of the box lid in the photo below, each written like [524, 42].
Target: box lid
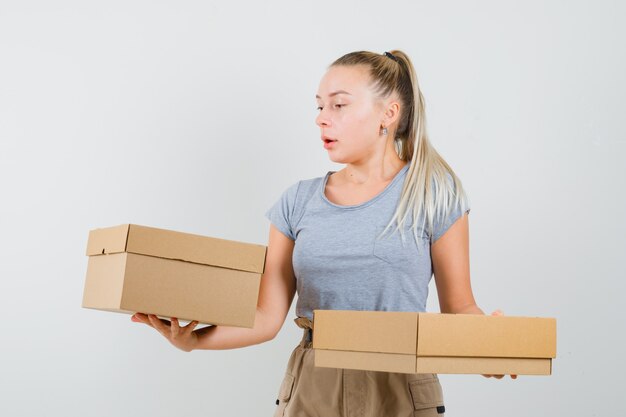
[365, 331]
[177, 245]
[435, 334]
[458, 335]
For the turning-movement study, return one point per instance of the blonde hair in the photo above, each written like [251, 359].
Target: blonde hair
[431, 188]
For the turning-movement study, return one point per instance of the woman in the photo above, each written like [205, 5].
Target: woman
[367, 237]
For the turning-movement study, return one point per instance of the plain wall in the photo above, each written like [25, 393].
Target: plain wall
[196, 115]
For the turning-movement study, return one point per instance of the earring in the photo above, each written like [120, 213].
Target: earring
[384, 130]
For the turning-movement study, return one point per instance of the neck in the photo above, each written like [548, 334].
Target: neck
[372, 172]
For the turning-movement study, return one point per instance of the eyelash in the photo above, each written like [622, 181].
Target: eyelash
[336, 105]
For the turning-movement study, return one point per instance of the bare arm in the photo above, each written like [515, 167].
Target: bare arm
[450, 258]
[276, 293]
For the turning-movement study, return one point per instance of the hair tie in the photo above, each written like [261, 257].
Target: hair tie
[390, 55]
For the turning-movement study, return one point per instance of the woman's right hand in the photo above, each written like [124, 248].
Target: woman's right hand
[183, 338]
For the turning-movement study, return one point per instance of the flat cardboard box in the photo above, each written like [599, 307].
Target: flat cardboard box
[410, 342]
[136, 268]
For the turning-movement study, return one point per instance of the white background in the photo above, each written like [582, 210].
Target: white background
[196, 115]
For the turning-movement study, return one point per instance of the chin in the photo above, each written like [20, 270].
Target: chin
[338, 159]
[342, 158]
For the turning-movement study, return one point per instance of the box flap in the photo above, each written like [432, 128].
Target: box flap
[365, 331]
[169, 244]
[105, 281]
[107, 240]
[368, 361]
[458, 335]
[493, 366]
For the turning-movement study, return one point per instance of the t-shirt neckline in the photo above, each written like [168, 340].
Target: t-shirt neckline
[365, 203]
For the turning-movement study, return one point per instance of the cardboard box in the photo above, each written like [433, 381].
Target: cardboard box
[434, 343]
[135, 268]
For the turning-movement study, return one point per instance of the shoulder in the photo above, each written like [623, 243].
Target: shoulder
[305, 186]
[309, 184]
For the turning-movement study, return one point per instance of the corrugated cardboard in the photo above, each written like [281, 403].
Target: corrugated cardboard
[177, 245]
[411, 342]
[135, 268]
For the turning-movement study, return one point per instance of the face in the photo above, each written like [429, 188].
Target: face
[350, 116]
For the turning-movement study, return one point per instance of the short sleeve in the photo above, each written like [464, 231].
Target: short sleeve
[281, 213]
[440, 226]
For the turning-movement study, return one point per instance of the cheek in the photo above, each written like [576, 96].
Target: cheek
[358, 124]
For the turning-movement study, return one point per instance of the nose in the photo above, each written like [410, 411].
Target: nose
[321, 120]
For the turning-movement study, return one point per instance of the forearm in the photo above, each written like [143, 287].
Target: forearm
[466, 309]
[228, 337]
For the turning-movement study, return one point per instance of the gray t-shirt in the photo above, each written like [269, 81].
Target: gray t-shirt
[338, 261]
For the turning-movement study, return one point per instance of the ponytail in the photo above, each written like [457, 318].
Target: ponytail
[431, 190]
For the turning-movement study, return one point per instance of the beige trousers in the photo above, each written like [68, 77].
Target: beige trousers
[307, 391]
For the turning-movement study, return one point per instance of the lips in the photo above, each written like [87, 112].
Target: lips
[329, 143]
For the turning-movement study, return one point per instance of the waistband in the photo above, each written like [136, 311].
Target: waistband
[307, 325]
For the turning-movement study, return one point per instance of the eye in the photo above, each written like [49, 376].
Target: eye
[319, 108]
[339, 105]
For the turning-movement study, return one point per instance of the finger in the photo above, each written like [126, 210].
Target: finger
[159, 324]
[153, 322]
[141, 318]
[175, 328]
[192, 325]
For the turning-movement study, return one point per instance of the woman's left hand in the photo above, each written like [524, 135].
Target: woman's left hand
[498, 313]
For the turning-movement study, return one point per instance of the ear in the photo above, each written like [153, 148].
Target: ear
[391, 112]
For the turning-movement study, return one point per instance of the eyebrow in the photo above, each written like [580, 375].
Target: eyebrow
[334, 93]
